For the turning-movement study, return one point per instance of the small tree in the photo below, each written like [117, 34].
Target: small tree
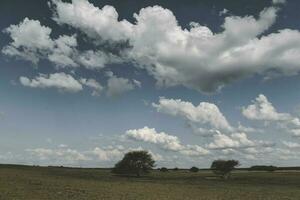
[194, 169]
[224, 167]
[134, 162]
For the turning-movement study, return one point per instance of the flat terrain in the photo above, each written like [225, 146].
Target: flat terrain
[42, 183]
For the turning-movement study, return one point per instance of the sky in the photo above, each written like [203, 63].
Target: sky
[83, 82]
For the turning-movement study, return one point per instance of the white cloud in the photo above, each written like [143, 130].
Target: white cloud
[96, 59]
[96, 23]
[61, 155]
[223, 12]
[64, 52]
[161, 46]
[137, 83]
[291, 144]
[30, 36]
[205, 113]
[165, 141]
[32, 42]
[63, 82]
[235, 140]
[116, 86]
[262, 109]
[108, 154]
[114, 153]
[194, 57]
[92, 83]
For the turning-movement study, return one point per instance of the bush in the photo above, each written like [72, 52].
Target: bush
[163, 169]
[176, 169]
[134, 162]
[194, 169]
[224, 167]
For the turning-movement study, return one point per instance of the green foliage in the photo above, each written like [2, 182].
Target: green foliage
[194, 169]
[269, 168]
[224, 167]
[134, 162]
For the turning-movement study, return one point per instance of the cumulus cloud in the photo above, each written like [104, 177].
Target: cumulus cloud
[165, 141]
[262, 109]
[92, 83]
[96, 59]
[116, 86]
[107, 154]
[205, 113]
[223, 12]
[194, 57]
[96, 23]
[61, 81]
[236, 140]
[291, 144]
[64, 52]
[210, 60]
[32, 41]
[113, 153]
[60, 155]
[29, 40]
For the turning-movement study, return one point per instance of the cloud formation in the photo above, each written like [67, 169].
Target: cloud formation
[58, 156]
[263, 110]
[205, 113]
[165, 141]
[92, 83]
[63, 82]
[194, 57]
[234, 141]
[116, 86]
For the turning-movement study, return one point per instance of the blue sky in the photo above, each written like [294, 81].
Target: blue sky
[83, 82]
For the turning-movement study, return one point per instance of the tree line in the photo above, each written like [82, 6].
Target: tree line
[141, 162]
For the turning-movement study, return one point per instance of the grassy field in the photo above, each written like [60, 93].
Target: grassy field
[41, 183]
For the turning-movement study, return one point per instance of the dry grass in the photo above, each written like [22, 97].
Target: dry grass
[36, 183]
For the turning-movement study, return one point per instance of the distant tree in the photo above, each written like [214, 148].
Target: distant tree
[134, 162]
[175, 169]
[224, 167]
[194, 169]
[163, 169]
[269, 168]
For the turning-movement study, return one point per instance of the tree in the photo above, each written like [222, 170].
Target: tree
[163, 169]
[175, 169]
[194, 169]
[134, 162]
[224, 167]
